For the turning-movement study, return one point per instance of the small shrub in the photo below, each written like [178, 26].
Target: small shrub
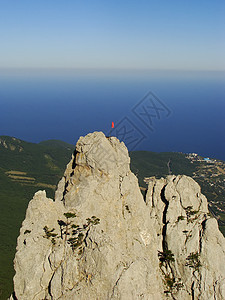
[73, 234]
[173, 285]
[193, 261]
[190, 213]
[169, 281]
[93, 221]
[69, 215]
[165, 256]
[49, 233]
[180, 218]
[61, 223]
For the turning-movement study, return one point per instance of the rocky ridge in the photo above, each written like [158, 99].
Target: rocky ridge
[101, 239]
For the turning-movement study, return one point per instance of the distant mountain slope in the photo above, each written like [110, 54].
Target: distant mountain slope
[146, 163]
[33, 158]
[27, 167]
[55, 143]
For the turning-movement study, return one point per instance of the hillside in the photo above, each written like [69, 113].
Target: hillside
[27, 167]
[146, 163]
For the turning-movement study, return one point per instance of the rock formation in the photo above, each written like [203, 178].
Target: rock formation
[101, 239]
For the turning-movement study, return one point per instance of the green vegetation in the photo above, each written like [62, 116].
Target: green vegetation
[180, 218]
[73, 234]
[78, 234]
[165, 257]
[69, 215]
[147, 164]
[193, 261]
[49, 233]
[191, 214]
[172, 284]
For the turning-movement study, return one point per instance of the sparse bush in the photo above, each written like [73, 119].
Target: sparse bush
[180, 218]
[69, 215]
[193, 261]
[76, 233]
[49, 233]
[173, 285]
[93, 220]
[190, 213]
[165, 256]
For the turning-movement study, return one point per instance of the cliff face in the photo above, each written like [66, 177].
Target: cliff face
[99, 239]
[192, 254]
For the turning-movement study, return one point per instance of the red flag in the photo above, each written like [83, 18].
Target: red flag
[112, 124]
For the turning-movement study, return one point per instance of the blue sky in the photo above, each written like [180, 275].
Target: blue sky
[160, 34]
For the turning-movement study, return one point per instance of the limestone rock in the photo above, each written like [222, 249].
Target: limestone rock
[100, 239]
[192, 249]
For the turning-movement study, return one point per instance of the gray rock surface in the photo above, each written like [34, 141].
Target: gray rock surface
[100, 239]
[192, 249]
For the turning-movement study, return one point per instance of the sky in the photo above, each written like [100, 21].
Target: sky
[140, 34]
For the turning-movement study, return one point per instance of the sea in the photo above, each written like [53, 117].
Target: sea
[179, 111]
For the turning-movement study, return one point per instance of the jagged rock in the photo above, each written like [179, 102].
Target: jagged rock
[100, 239]
[195, 264]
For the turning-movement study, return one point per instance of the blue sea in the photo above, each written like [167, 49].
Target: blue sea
[159, 111]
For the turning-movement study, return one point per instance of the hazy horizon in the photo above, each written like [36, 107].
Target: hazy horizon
[128, 34]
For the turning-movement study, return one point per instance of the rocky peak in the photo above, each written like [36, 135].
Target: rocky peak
[96, 159]
[100, 239]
